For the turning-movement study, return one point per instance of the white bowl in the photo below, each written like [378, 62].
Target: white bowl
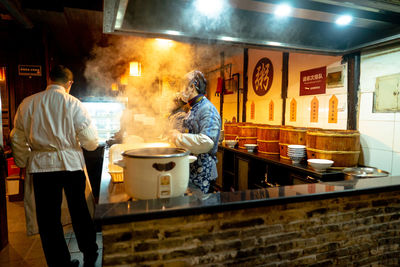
[296, 147]
[230, 143]
[250, 147]
[320, 164]
[296, 153]
[296, 159]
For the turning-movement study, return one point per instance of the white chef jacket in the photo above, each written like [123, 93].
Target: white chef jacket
[39, 150]
[49, 129]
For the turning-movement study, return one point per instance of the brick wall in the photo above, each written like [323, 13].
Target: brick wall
[357, 230]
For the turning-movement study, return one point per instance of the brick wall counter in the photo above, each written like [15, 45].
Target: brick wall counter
[353, 230]
[337, 223]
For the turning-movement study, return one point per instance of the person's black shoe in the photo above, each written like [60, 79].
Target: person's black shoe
[90, 260]
[74, 263]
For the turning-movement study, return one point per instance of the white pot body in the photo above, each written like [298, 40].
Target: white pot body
[155, 177]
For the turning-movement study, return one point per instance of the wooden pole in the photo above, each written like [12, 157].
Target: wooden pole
[353, 84]
[245, 81]
[285, 79]
[221, 96]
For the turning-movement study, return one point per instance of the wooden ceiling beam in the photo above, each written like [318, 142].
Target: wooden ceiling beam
[16, 12]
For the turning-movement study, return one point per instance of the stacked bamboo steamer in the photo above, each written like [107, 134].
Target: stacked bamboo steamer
[268, 139]
[341, 146]
[247, 134]
[231, 131]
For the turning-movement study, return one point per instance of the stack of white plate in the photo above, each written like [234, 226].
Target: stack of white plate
[296, 153]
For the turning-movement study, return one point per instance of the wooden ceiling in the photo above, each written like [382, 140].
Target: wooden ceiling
[74, 26]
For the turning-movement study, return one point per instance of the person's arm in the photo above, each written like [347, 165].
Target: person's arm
[85, 131]
[88, 138]
[204, 141]
[19, 145]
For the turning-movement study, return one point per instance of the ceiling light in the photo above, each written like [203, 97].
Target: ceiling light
[165, 43]
[344, 20]
[283, 10]
[135, 69]
[173, 32]
[210, 8]
[274, 43]
[227, 38]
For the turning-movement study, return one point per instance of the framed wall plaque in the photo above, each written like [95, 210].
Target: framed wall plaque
[263, 75]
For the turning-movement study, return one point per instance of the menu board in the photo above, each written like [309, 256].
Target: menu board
[314, 109]
[253, 111]
[293, 109]
[271, 111]
[333, 109]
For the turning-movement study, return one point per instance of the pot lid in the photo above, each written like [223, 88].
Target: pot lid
[365, 172]
[156, 152]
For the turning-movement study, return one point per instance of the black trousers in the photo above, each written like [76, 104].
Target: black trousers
[48, 196]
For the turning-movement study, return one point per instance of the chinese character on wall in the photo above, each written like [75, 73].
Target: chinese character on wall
[314, 110]
[263, 75]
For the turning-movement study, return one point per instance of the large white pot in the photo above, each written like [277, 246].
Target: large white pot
[156, 172]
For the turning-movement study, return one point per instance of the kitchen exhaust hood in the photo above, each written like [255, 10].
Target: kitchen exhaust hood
[309, 27]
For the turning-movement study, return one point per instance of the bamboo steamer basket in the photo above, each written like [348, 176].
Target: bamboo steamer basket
[247, 133]
[247, 140]
[230, 136]
[247, 129]
[310, 138]
[230, 131]
[268, 139]
[289, 135]
[341, 146]
[231, 128]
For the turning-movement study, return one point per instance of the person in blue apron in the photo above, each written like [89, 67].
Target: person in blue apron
[202, 125]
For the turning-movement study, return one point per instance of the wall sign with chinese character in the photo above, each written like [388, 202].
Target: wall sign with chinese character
[253, 111]
[263, 75]
[271, 111]
[313, 81]
[333, 109]
[314, 109]
[293, 110]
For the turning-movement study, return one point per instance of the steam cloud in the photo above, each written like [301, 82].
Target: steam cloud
[151, 96]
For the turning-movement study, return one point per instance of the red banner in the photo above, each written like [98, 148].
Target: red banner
[313, 82]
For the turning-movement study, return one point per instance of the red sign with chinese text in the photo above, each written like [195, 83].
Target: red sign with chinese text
[313, 82]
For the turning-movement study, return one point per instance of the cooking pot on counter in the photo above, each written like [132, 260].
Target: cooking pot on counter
[156, 172]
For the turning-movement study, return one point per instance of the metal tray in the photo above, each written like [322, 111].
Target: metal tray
[364, 172]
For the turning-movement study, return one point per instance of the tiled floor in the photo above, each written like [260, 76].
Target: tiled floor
[24, 250]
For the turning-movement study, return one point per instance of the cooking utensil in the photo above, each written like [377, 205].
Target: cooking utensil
[156, 172]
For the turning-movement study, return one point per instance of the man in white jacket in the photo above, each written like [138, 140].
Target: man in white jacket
[49, 129]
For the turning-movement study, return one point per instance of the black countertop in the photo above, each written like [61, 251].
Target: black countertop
[302, 167]
[116, 207]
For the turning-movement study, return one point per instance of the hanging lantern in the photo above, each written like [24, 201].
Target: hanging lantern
[135, 69]
[114, 87]
[124, 79]
[2, 73]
